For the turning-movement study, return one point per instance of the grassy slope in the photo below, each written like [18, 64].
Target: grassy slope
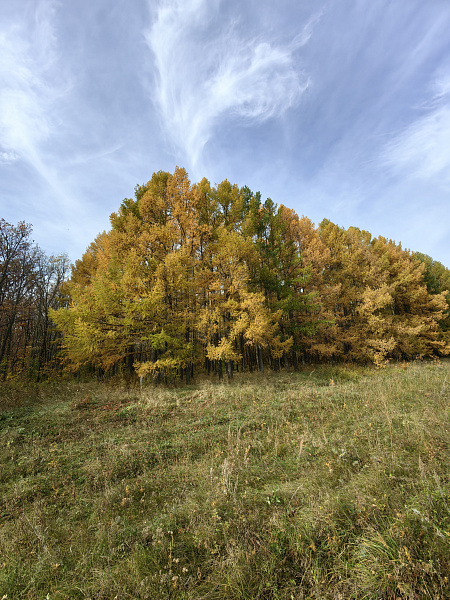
[328, 484]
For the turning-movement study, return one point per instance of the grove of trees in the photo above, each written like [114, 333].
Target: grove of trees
[195, 277]
[30, 285]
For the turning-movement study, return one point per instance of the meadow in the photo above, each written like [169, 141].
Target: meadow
[328, 483]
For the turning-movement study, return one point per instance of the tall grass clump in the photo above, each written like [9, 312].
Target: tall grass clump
[323, 484]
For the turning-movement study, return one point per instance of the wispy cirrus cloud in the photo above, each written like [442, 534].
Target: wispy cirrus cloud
[207, 70]
[26, 56]
[422, 150]
[31, 88]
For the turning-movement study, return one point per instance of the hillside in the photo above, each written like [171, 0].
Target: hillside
[326, 483]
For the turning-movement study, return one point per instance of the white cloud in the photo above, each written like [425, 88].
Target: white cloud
[22, 119]
[208, 70]
[31, 103]
[422, 151]
[30, 86]
[7, 158]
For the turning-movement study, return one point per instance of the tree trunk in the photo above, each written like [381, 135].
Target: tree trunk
[230, 370]
[260, 358]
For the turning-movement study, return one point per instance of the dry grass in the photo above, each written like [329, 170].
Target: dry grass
[331, 483]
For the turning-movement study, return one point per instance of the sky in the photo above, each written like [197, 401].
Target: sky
[339, 109]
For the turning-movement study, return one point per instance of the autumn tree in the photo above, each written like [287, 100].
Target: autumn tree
[16, 282]
[166, 290]
[197, 276]
[30, 283]
[352, 270]
[129, 308]
[413, 314]
[305, 303]
[437, 280]
[381, 305]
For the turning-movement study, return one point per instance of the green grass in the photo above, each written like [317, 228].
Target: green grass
[329, 483]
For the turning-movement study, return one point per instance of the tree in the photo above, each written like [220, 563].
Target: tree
[414, 314]
[437, 280]
[17, 278]
[30, 283]
[381, 305]
[194, 275]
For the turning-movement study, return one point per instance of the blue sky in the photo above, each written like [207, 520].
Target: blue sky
[338, 109]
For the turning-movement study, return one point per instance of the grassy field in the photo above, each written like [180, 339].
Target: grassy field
[329, 483]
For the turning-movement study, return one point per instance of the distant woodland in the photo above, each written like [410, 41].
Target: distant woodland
[194, 278]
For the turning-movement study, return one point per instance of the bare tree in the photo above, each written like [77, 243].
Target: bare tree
[30, 284]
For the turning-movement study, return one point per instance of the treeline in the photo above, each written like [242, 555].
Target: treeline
[30, 285]
[197, 277]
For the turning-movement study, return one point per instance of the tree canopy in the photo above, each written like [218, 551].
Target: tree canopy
[195, 276]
